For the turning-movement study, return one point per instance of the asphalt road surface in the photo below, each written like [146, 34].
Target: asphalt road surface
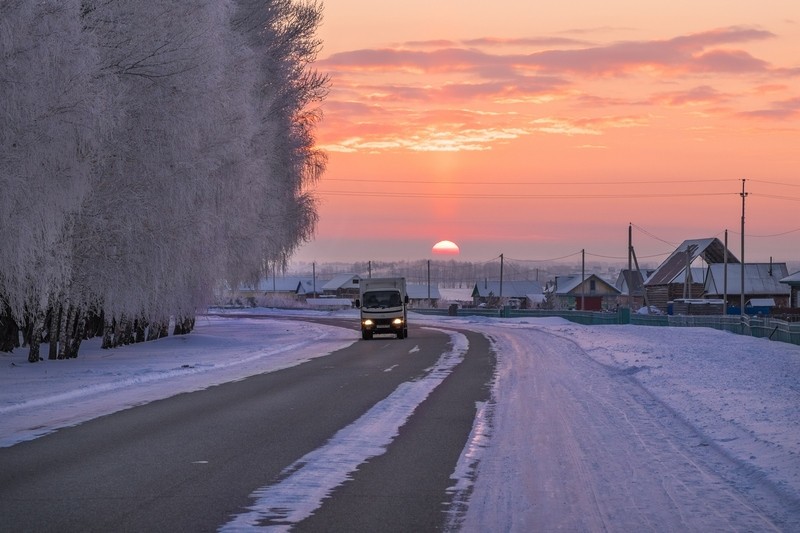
[191, 462]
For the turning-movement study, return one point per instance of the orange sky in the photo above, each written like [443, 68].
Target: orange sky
[535, 131]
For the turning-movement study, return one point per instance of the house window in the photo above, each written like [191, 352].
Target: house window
[592, 285]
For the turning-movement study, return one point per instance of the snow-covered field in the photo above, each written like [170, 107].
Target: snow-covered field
[736, 396]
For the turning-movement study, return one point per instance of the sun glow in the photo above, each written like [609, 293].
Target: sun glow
[446, 248]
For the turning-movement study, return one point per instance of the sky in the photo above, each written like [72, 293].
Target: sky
[737, 401]
[537, 130]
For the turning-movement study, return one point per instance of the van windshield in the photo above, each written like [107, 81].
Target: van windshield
[382, 299]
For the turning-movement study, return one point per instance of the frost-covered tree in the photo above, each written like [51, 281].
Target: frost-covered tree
[282, 35]
[51, 121]
[152, 149]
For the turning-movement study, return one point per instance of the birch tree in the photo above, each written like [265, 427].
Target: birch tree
[51, 114]
[150, 150]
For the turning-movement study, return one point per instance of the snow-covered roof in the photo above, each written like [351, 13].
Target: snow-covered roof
[420, 292]
[456, 294]
[342, 281]
[757, 279]
[280, 284]
[567, 284]
[511, 289]
[308, 286]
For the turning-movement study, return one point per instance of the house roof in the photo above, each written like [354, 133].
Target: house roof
[420, 292]
[631, 282]
[793, 280]
[711, 250]
[282, 284]
[342, 281]
[307, 286]
[567, 284]
[511, 289]
[757, 279]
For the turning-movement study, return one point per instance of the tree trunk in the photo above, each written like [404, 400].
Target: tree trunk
[55, 320]
[37, 328]
[77, 337]
[9, 332]
[67, 312]
[108, 333]
[139, 327]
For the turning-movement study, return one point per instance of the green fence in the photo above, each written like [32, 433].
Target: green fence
[762, 327]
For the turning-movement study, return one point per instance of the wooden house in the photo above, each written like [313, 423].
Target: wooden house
[592, 293]
[793, 282]
[678, 278]
[761, 281]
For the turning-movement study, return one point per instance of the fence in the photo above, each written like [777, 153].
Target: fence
[762, 327]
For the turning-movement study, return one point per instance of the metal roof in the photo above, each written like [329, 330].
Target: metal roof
[757, 279]
[632, 278]
[511, 289]
[793, 280]
[711, 250]
[342, 281]
[420, 292]
[566, 284]
[282, 284]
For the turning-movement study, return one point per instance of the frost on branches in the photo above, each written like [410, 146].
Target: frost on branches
[147, 151]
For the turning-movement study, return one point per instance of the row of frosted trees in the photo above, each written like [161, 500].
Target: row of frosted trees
[147, 151]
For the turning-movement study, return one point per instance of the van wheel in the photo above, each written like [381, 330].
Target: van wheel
[366, 335]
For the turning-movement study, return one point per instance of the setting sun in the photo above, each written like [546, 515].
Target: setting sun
[545, 130]
[446, 248]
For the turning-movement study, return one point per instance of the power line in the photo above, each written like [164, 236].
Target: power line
[766, 236]
[545, 260]
[518, 196]
[494, 183]
[776, 197]
[653, 236]
[776, 183]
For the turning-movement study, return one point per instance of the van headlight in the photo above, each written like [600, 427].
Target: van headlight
[368, 322]
[397, 321]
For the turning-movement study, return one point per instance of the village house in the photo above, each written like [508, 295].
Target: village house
[793, 282]
[342, 286]
[521, 294]
[583, 293]
[423, 295]
[630, 284]
[676, 278]
[762, 285]
[279, 288]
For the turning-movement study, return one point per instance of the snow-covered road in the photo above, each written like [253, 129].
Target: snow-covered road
[591, 428]
[580, 446]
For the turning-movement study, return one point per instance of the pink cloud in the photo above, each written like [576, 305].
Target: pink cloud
[781, 110]
[688, 53]
[698, 95]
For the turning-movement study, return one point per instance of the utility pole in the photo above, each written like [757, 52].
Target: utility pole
[583, 278]
[314, 278]
[501, 279]
[429, 281]
[725, 278]
[630, 266]
[744, 195]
